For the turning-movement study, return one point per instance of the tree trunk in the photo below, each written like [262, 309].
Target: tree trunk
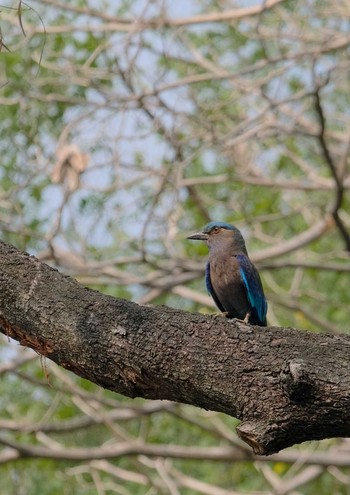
[285, 385]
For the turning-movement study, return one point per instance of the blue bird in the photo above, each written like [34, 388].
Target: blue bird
[231, 278]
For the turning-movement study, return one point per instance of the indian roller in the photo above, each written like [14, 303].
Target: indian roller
[231, 278]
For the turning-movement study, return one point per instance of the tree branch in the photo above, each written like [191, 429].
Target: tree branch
[338, 178]
[17, 450]
[285, 385]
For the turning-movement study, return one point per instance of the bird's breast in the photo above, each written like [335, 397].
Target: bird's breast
[228, 285]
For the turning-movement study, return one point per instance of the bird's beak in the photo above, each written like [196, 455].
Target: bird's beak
[198, 236]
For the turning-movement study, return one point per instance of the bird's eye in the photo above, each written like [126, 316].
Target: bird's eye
[216, 229]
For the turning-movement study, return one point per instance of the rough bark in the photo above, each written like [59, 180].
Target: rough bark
[285, 385]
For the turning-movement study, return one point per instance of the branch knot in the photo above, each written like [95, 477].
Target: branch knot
[297, 382]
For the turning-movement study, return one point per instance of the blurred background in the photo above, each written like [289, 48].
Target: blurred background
[126, 126]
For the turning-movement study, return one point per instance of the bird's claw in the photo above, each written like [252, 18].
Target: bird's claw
[225, 314]
[247, 317]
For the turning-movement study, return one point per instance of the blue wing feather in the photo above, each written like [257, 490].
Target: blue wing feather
[210, 288]
[255, 293]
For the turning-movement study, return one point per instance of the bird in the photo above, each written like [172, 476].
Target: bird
[231, 278]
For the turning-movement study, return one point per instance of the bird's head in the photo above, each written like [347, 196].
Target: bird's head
[221, 234]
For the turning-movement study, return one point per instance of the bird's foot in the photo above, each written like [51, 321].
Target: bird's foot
[247, 316]
[225, 314]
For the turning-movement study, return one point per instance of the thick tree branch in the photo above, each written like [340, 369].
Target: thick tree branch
[285, 385]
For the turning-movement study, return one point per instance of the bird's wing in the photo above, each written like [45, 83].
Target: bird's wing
[252, 283]
[210, 288]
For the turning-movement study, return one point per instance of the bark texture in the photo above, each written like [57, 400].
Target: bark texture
[285, 385]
